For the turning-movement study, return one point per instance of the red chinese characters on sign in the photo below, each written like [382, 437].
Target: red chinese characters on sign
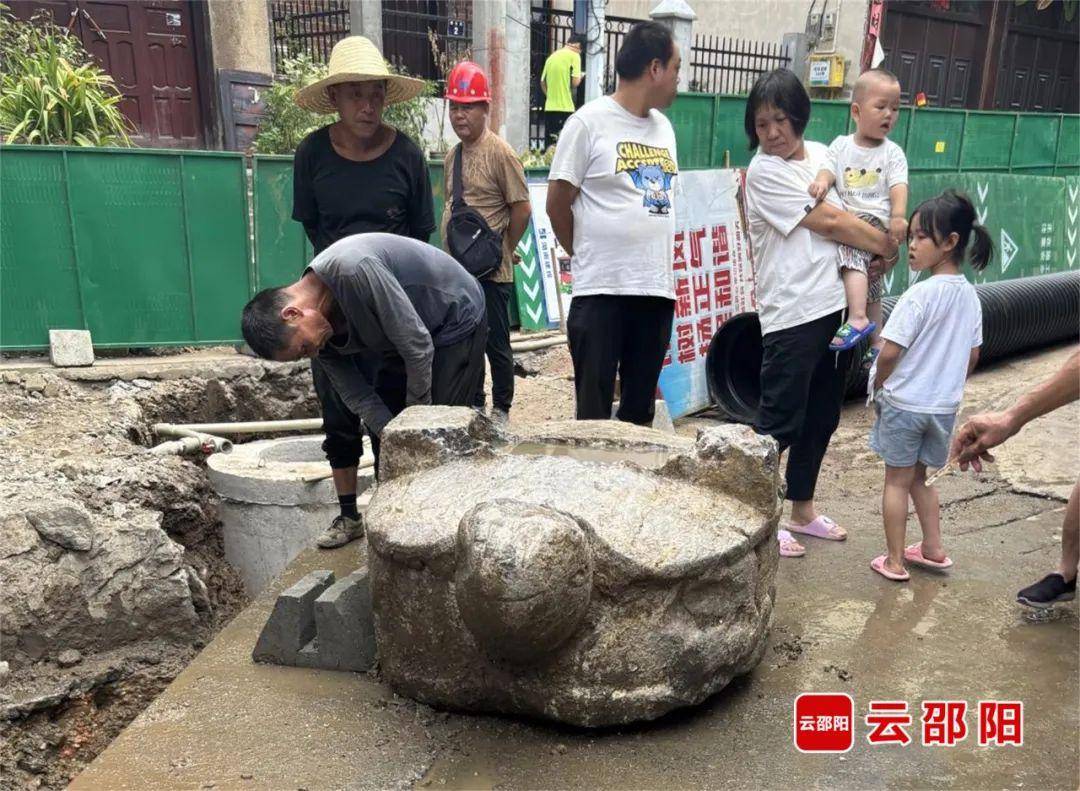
[702, 298]
[824, 722]
[704, 334]
[720, 251]
[943, 722]
[684, 343]
[696, 236]
[683, 305]
[1001, 722]
[678, 258]
[889, 720]
[722, 289]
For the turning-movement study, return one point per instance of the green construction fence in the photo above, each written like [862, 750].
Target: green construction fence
[159, 248]
[709, 131]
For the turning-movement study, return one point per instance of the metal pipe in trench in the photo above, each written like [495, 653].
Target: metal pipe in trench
[1018, 315]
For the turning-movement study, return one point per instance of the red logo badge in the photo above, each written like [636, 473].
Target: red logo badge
[824, 722]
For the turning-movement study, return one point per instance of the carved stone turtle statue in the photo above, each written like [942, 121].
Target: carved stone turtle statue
[587, 572]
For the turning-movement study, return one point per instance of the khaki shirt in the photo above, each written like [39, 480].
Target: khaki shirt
[494, 180]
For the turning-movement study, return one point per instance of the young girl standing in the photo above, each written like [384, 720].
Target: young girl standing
[932, 343]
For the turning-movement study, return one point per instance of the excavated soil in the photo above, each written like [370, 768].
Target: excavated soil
[82, 444]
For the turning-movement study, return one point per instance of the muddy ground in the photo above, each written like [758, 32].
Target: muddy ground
[227, 723]
[837, 626]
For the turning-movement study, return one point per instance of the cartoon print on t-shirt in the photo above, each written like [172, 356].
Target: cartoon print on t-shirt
[858, 178]
[651, 169]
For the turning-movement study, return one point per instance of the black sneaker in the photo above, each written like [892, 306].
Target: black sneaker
[1049, 590]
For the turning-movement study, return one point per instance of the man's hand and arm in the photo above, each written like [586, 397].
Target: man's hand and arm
[982, 432]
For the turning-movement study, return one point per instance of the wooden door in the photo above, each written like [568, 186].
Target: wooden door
[1038, 62]
[937, 49]
[148, 49]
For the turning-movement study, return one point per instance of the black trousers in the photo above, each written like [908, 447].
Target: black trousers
[457, 372]
[802, 389]
[612, 334]
[497, 297]
[553, 124]
[343, 444]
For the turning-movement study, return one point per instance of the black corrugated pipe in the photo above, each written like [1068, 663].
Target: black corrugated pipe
[1018, 315]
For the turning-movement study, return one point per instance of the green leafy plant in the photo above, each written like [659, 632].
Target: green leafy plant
[537, 157]
[284, 125]
[410, 117]
[52, 92]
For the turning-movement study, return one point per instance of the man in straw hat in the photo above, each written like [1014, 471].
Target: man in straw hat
[356, 175]
[493, 183]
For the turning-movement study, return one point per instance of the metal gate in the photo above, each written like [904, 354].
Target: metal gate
[410, 27]
[310, 27]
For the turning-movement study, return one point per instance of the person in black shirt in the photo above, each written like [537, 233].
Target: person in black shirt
[357, 175]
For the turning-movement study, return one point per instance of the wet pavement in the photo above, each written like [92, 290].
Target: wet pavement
[838, 627]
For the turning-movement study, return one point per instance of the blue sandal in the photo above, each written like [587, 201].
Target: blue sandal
[851, 336]
[869, 358]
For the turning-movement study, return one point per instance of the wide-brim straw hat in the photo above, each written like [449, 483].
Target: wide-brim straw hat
[356, 59]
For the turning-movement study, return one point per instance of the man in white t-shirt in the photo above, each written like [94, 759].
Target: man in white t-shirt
[610, 201]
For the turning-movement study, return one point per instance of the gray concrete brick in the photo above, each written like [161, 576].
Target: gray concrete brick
[345, 624]
[70, 348]
[291, 625]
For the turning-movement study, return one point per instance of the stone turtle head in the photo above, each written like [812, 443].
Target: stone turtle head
[523, 578]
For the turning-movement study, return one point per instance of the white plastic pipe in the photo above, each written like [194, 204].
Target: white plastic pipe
[251, 427]
[190, 442]
[531, 346]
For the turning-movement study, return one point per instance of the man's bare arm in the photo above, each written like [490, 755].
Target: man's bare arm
[560, 198]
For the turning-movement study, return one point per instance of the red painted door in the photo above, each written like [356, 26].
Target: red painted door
[148, 48]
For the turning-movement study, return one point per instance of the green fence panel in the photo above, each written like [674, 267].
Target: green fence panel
[219, 252]
[692, 117]
[282, 249]
[1031, 220]
[39, 276]
[729, 133]
[438, 195]
[1035, 144]
[988, 139]
[935, 139]
[1068, 151]
[828, 120]
[134, 235]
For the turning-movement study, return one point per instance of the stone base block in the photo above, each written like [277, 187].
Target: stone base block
[320, 623]
[70, 348]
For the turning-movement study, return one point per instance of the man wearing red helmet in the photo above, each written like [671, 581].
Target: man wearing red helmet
[493, 182]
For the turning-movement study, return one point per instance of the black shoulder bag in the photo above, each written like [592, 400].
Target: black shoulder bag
[468, 236]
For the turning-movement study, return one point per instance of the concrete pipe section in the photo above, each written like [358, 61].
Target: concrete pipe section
[276, 497]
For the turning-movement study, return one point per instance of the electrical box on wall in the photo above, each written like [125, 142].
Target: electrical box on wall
[826, 71]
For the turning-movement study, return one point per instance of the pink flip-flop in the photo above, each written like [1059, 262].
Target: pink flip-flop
[878, 565]
[789, 547]
[914, 554]
[822, 527]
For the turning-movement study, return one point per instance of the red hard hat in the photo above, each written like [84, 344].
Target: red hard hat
[467, 83]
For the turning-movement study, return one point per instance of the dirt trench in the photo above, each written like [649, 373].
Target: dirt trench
[111, 558]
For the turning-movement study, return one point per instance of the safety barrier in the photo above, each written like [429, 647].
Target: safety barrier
[161, 248]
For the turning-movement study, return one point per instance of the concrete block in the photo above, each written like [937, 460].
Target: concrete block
[345, 624]
[291, 625]
[70, 348]
[661, 416]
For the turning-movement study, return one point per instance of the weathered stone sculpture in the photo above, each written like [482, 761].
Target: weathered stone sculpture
[588, 572]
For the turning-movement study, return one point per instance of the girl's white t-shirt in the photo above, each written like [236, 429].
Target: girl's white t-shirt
[624, 215]
[938, 321]
[797, 279]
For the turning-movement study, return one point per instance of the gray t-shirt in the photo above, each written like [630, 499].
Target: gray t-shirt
[399, 297]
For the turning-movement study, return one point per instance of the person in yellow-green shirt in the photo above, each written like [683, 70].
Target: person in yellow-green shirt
[560, 78]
